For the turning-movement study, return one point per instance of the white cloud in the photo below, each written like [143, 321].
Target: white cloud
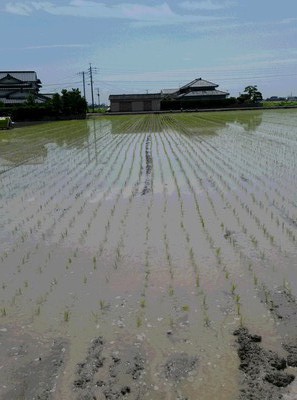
[18, 8]
[56, 46]
[137, 13]
[207, 5]
[289, 21]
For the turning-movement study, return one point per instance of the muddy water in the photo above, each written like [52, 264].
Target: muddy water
[160, 235]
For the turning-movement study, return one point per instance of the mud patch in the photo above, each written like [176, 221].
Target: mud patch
[110, 376]
[263, 376]
[30, 365]
[283, 307]
[179, 365]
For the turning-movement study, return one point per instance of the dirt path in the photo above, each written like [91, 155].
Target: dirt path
[30, 365]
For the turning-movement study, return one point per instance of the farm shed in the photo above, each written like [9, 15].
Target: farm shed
[135, 102]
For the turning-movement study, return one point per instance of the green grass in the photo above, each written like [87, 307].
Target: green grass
[279, 103]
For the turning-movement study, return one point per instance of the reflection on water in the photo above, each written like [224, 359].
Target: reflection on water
[195, 123]
[30, 145]
[249, 120]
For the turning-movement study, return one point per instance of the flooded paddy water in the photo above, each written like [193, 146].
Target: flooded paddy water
[133, 247]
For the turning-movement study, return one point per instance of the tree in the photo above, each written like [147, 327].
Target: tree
[252, 94]
[73, 103]
[69, 103]
[57, 103]
[31, 101]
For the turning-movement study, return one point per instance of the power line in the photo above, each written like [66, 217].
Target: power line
[135, 82]
[60, 83]
[172, 80]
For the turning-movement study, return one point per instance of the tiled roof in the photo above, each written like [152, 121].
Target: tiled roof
[202, 93]
[17, 97]
[12, 101]
[169, 91]
[199, 83]
[19, 101]
[47, 95]
[30, 76]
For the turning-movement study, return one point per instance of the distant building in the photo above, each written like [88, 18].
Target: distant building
[199, 89]
[17, 86]
[135, 102]
[188, 96]
[276, 98]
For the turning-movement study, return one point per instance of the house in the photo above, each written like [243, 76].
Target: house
[192, 95]
[198, 89]
[292, 98]
[17, 86]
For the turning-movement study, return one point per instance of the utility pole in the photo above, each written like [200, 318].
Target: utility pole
[98, 94]
[91, 70]
[84, 82]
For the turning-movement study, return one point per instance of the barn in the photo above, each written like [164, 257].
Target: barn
[135, 102]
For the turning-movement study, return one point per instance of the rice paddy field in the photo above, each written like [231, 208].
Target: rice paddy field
[132, 247]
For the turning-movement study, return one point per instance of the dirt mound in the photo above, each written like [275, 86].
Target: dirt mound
[263, 375]
[111, 376]
[178, 366]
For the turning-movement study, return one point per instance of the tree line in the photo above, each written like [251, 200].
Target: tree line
[68, 104]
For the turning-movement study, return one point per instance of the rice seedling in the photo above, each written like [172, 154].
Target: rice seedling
[206, 319]
[233, 288]
[185, 307]
[138, 322]
[3, 312]
[95, 317]
[103, 305]
[142, 303]
[66, 315]
[204, 302]
[197, 280]
[287, 286]
[94, 263]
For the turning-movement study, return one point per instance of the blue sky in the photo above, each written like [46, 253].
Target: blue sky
[140, 45]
